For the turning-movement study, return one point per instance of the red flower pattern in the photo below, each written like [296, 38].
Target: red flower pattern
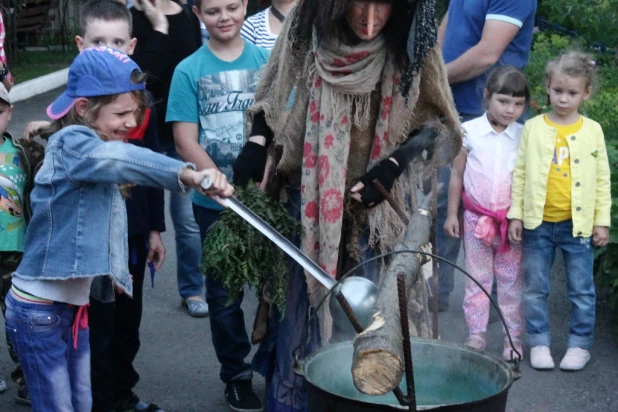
[356, 57]
[307, 149]
[318, 83]
[311, 210]
[331, 205]
[344, 120]
[386, 107]
[315, 116]
[324, 166]
[376, 151]
[339, 62]
[328, 141]
[311, 160]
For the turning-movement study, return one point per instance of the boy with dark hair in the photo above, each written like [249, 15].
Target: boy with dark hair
[104, 11]
[210, 92]
[18, 164]
[166, 34]
[114, 324]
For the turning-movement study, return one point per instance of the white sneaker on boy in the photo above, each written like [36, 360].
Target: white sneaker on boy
[575, 359]
[540, 358]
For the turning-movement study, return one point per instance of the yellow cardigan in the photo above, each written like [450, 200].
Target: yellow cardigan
[590, 177]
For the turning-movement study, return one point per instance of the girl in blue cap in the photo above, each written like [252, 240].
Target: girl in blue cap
[78, 228]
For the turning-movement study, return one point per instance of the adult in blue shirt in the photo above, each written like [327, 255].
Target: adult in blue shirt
[476, 36]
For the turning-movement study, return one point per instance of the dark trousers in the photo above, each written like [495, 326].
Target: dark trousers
[227, 322]
[114, 336]
[8, 264]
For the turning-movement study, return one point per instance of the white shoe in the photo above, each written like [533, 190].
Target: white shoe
[540, 358]
[575, 359]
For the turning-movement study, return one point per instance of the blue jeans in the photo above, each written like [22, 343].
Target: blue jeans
[188, 244]
[57, 374]
[448, 247]
[227, 322]
[539, 251]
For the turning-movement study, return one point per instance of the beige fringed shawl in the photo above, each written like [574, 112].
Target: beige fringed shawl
[430, 98]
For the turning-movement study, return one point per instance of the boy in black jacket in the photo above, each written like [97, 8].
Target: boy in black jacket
[166, 34]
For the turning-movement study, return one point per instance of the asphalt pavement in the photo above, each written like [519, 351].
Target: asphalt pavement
[180, 372]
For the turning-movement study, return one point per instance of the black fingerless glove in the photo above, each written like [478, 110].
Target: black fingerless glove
[385, 172]
[250, 164]
[260, 128]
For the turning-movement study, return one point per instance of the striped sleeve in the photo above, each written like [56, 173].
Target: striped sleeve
[257, 31]
[514, 12]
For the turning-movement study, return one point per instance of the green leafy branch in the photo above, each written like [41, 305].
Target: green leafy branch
[240, 255]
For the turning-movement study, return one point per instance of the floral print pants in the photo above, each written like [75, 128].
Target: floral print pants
[485, 264]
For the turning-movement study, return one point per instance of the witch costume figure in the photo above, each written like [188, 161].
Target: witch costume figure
[348, 86]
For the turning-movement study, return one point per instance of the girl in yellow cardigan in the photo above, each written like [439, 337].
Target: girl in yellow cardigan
[561, 198]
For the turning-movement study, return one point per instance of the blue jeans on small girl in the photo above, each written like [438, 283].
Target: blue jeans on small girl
[539, 251]
[57, 373]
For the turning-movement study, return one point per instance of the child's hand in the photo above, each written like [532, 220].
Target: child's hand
[34, 129]
[154, 14]
[219, 184]
[515, 229]
[451, 226]
[156, 249]
[600, 236]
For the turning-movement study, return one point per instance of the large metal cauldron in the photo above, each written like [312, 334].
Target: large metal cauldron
[447, 376]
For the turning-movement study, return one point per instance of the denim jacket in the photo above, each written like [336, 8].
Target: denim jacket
[79, 220]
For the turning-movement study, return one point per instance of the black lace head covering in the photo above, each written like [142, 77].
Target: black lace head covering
[421, 39]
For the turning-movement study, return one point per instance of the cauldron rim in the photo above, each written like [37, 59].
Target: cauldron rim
[499, 361]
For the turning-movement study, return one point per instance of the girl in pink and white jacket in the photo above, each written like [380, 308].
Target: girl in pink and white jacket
[481, 177]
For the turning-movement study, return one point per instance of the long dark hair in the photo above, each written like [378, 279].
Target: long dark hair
[328, 17]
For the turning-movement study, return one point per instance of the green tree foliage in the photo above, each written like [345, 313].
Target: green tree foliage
[594, 20]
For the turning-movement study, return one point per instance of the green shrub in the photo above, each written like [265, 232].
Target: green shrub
[544, 48]
[593, 20]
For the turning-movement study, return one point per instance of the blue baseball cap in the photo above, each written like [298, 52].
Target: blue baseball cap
[98, 71]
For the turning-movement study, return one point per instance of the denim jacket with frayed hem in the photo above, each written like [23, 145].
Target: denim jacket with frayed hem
[79, 220]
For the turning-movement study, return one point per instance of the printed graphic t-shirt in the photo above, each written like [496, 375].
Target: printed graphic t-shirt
[558, 200]
[12, 184]
[215, 94]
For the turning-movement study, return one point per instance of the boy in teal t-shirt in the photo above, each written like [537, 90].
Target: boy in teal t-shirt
[18, 162]
[210, 92]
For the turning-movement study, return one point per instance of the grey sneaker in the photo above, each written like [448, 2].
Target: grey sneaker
[2, 385]
[196, 308]
[540, 358]
[575, 359]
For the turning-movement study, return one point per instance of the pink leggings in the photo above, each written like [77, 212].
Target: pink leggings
[484, 263]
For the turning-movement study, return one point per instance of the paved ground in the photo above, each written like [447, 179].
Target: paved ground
[180, 371]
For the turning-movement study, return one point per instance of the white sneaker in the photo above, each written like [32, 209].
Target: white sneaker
[540, 358]
[575, 359]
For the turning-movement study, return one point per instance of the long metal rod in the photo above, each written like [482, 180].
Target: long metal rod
[279, 240]
[407, 345]
[295, 253]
